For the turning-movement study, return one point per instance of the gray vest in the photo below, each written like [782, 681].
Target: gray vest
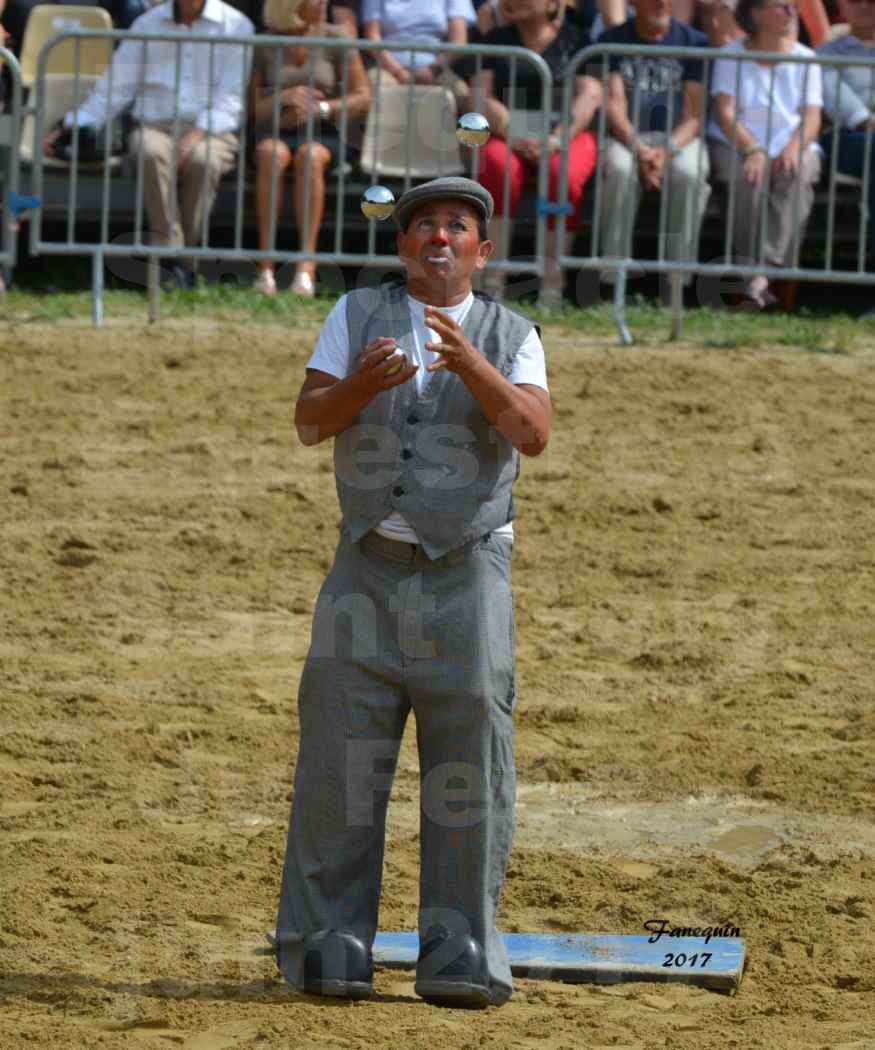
[435, 458]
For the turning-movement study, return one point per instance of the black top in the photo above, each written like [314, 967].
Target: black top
[658, 82]
[525, 90]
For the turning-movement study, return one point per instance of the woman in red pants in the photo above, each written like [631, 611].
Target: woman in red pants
[512, 101]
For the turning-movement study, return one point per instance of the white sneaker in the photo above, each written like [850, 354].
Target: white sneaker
[265, 282]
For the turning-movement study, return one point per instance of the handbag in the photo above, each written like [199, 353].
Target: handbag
[92, 141]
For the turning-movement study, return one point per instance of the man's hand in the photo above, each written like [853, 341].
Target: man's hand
[457, 354]
[754, 167]
[651, 165]
[377, 367]
[787, 161]
[186, 146]
[50, 140]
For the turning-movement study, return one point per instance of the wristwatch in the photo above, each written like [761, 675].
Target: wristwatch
[324, 110]
[749, 151]
[674, 149]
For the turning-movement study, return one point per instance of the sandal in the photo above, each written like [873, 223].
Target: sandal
[303, 284]
[265, 282]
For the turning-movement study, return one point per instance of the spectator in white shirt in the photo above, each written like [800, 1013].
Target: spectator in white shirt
[199, 114]
[766, 120]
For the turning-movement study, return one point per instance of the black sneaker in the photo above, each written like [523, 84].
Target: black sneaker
[337, 964]
[451, 971]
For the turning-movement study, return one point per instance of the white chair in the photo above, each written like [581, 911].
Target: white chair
[48, 20]
[412, 132]
[59, 97]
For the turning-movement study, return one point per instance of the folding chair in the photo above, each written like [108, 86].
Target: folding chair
[416, 132]
[48, 20]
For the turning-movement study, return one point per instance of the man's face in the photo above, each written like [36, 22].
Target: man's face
[442, 243]
[654, 12]
[190, 9]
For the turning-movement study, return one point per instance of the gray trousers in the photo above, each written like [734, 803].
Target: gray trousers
[685, 183]
[394, 631]
[791, 198]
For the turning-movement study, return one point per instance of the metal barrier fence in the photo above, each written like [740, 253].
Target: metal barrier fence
[10, 137]
[597, 60]
[409, 136]
[388, 145]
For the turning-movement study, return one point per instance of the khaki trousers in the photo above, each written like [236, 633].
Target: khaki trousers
[686, 183]
[198, 183]
[787, 214]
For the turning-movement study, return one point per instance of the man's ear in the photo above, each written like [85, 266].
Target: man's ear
[486, 249]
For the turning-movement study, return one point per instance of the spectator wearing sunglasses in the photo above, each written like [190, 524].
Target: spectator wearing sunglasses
[849, 102]
[763, 132]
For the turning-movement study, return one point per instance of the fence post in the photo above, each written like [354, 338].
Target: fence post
[97, 288]
[11, 139]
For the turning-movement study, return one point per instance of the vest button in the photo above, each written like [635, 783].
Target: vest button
[411, 419]
[406, 453]
[397, 491]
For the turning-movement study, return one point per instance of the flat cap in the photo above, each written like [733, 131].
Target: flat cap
[453, 186]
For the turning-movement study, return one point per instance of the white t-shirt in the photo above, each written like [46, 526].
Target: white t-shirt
[332, 356]
[790, 97]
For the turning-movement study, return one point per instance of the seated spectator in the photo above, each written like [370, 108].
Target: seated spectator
[654, 112]
[306, 139]
[514, 113]
[209, 115]
[771, 128]
[851, 109]
[429, 21]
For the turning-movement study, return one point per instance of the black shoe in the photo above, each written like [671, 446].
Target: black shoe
[337, 964]
[177, 276]
[451, 971]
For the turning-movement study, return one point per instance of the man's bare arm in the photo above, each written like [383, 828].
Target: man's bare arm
[326, 405]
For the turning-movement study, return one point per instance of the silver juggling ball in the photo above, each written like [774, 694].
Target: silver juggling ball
[472, 129]
[378, 202]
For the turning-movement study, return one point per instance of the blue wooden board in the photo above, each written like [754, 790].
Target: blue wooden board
[598, 958]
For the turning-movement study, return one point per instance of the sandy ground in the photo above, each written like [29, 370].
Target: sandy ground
[694, 582]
